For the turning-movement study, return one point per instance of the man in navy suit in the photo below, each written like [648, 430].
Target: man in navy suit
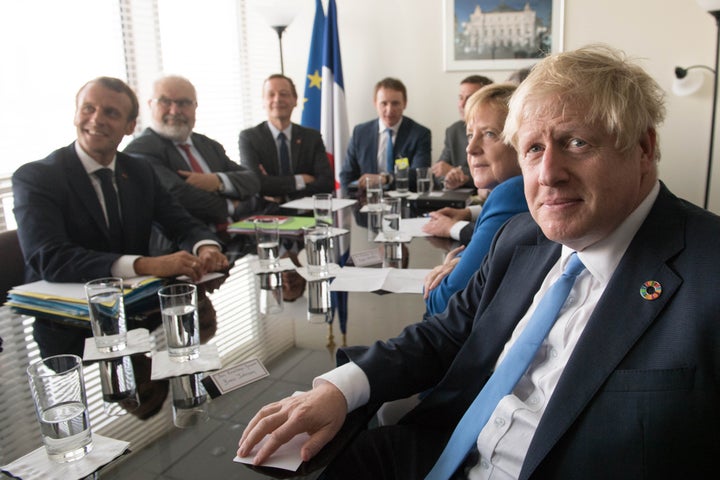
[367, 154]
[625, 385]
[308, 170]
[209, 185]
[64, 221]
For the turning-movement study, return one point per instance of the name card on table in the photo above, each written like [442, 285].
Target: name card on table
[234, 377]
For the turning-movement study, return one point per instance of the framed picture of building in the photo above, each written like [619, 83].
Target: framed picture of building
[501, 34]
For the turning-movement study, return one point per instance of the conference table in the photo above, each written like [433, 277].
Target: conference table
[292, 350]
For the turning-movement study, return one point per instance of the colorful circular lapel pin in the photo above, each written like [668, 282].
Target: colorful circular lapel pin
[650, 290]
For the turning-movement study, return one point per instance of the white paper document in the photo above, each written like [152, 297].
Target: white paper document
[307, 203]
[355, 279]
[413, 226]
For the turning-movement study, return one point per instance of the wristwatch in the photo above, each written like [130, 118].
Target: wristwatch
[221, 186]
[387, 178]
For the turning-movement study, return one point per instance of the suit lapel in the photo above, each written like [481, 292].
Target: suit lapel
[269, 155]
[295, 146]
[620, 319]
[132, 200]
[80, 183]
[206, 152]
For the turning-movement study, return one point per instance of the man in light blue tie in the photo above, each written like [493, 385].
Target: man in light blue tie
[376, 144]
[617, 380]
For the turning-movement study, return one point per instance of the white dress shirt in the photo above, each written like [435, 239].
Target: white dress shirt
[505, 439]
[299, 181]
[124, 266]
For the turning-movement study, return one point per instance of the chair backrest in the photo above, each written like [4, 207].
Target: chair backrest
[12, 264]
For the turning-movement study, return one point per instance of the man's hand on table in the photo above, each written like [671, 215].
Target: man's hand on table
[209, 259]
[319, 412]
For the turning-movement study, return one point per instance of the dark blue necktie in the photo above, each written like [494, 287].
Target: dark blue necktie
[389, 158]
[507, 374]
[284, 155]
[112, 208]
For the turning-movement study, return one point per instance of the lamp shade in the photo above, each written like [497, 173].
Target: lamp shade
[709, 5]
[277, 13]
[689, 84]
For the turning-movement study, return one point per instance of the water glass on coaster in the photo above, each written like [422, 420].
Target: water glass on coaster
[267, 236]
[270, 299]
[319, 302]
[190, 406]
[178, 306]
[107, 313]
[322, 209]
[117, 381]
[392, 213]
[58, 389]
[318, 249]
[374, 192]
[402, 178]
[424, 180]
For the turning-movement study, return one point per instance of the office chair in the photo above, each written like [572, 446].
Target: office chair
[12, 264]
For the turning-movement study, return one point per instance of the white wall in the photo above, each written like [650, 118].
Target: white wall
[404, 38]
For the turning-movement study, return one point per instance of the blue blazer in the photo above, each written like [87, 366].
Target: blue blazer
[639, 396]
[505, 200]
[61, 225]
[412, 141]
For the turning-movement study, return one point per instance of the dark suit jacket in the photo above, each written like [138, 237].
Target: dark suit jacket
[454, 149]
[210, 207]
[639, 396]
[307, 152]
[412, 141]
[61, 225]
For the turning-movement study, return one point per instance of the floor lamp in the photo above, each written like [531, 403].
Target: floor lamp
[279, 14]
[713, 8]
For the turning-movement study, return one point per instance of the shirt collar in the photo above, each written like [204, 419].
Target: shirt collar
[275, 131]
[394, 128]
[90, 164]
[602, 258]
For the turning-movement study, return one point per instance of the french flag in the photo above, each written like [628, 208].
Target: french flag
[333, 109]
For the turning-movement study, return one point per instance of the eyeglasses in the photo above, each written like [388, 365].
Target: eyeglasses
[181, 103]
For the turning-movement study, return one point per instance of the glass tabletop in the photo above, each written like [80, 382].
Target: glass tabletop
[293, 350]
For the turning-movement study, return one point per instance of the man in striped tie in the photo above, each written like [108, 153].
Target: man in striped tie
[619, 382]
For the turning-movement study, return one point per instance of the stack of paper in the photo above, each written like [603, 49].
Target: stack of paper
[69, 300]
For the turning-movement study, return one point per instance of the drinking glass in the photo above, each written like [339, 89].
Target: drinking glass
[322, 208]
[423, 180]
[267, 236]
[107, 313]
[178, 306]
[392, 209]
[402, 179]
[58, 390]
[374, 192]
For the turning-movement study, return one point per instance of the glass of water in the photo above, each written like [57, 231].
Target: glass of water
[374, 192]
[322, 208]
[392, 212]
[402, 179]
[267, 236]
[107, 313]
[58, 390]
[423, 180]
[178, 306]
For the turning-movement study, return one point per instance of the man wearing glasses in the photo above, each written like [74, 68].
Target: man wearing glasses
[195, 168]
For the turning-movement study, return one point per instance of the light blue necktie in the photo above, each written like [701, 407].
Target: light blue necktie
[285, 168]
[389, 159]
[507, 374]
